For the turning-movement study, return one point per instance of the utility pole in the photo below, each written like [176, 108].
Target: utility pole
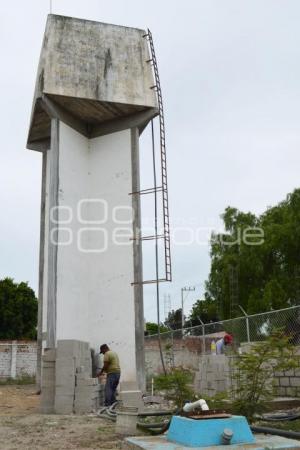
[184, 289]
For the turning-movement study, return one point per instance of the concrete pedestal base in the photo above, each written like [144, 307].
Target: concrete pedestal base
[204, 433]
[161, 443]
[126, 421]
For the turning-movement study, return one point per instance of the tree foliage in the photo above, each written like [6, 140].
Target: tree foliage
[152, 328]
[264, 252]
[18, 310]
[174, 319]
[205, 311]
[176, 385]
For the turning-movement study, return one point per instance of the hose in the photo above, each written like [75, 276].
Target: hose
[151, 425]
[276, 431]
[280, 417]
[155, 428]
[157, 413]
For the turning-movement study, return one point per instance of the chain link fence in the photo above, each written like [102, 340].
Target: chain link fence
[246, 329]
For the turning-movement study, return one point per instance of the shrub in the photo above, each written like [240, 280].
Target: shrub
[253, 377]
[176, 385]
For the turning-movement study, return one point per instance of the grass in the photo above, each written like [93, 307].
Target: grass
[24, 379]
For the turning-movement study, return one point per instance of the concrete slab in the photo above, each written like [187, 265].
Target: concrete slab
[161, 443]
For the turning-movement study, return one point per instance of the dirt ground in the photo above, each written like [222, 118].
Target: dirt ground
[22, 427]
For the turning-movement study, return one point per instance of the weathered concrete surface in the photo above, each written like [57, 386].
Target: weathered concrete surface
[161, 443]
[90, 73]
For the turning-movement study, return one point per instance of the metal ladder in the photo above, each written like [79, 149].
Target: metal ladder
[164, 180]
[163, 155]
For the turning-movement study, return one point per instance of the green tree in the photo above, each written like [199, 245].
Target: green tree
[263, 252]
[152, 328]
[174, 319]
[204, 310]
[18, 310]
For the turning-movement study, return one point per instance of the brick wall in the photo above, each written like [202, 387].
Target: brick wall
[288, 383]
[17, 358]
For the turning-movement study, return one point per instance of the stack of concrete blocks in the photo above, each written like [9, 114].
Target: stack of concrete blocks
[67, 354]
[214, 375]
[48, 381]
[73, 355]
[67, 383]
[88, 393]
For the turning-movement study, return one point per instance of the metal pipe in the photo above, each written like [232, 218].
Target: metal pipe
[247, 322]
[156, 250]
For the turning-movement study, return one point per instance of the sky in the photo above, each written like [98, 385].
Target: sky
[230, 74]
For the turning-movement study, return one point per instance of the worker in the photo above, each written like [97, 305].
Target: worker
[221, 343]
[111, 367]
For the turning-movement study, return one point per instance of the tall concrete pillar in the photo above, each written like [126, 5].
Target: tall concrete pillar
[93, 98]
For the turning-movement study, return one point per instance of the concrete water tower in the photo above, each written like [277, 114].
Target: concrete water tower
[94, 96]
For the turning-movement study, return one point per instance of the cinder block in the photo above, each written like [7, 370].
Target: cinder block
[295, 382]
[281, 391]
[68, 347]
[88, 391]
[63, 379]
[65, 390]
[87, 382]
[68, 361]
[63, 404]
[284, 381]
[47, 400]
[289, 373]
[47, 409]
[81, 377]
[291, 391]
[221, 386]
[279, 374]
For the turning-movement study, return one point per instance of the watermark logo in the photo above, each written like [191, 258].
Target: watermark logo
[93, 226]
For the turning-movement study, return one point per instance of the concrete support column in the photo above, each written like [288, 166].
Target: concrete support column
[41, 276]
[53, 234]
[138, 262]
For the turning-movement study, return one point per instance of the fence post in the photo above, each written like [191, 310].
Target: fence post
[203, 335]
[247, 323]
[13, 362]
[173, 356]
